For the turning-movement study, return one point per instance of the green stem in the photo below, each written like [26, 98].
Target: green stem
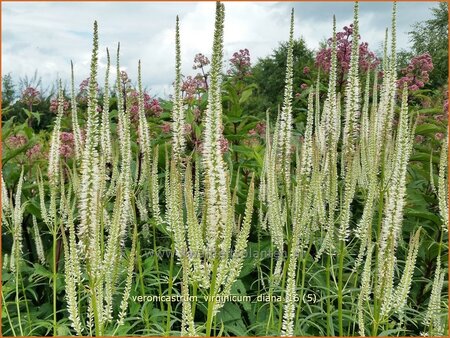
[55, 326]
[354, 304]
[376, 318]
[283, 283]
[141, 281]
[155, 255]
[211, 298]
[169, 305]
[376, 307]
[330, 330]
[98, 331]
[270, 320]
[7, 314]
[17, 297]
[340, 286]
[26, 303]
[302, 286]
[194, 298]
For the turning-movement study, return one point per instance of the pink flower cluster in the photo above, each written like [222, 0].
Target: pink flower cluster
[30, 96]
[151, 105]
[192, 86]
[240, 63]
[367, 59]
[34, 152]
[16, 141]
[200, 61]
[439, 136]
[260, 129]
[187, 128]
[67, 147]
[165, 127]
[54, 106]
[416, 74]
[224, 145]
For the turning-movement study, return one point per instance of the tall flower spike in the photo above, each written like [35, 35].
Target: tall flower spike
[72, 271]
[6, 206]
[364, 138]
[442, 185]
[285, 120]
[38, 242]
[351, 128]
[215, 176]
[394, 38]
[129, 279]
[144, 134]
[178, 228]
[433, 316]
[154, 183]
[275, 218]
[194, 230]
[105, 128]
[331, 95]
[89, 183]
[391, 75]
[365, 289]
[401, 293]
[125, 152]
[237, 260]
[178, 139]
[393, 214]
[352, 92]
[330, 122]
[43, 207]
[53, 161]
[17, 218]
[75, 125]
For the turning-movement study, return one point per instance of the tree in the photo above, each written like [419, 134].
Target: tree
[269, 73]
[432, 36]
[8, 92]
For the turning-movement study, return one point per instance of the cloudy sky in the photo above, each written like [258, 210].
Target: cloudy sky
[45, 36]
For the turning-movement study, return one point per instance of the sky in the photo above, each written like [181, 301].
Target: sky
[46, 36]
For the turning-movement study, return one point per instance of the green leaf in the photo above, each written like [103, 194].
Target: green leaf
[424, 215]
[28, 131]
[424, 157]
[429, 111]
[7, 128]
[245, 95]
[37, 116]
[238, 288]
[428, 128]
[27, 112]
[40, 271]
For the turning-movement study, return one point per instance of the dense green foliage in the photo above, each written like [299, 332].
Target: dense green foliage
[432, 36]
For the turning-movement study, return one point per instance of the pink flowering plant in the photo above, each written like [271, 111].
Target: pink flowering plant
[367, 58]
[417, 74]
[240, 64]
